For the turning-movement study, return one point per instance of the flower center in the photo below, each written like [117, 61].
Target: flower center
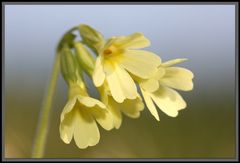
[110, 51]
[107, 52]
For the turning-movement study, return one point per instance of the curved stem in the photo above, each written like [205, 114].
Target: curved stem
[43, 123]
[44, 117]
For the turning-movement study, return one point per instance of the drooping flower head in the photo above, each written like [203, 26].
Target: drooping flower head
[79, 117]
[120, 63]
[81, 113]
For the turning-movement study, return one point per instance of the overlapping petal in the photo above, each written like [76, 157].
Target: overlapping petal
[168, 100]
[103, 117]
[140, 63]
[112, 106]
[150, 105]
[86, 132]
[121, 85]
[178, 78]
[133, 41]
[78, 121]
[158, 88]
[130, 107]
[151, 85]
[98, 73]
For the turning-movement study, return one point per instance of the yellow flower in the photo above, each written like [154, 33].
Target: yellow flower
[79, 116]
[130, 107]
[117, 58]
[159, 89]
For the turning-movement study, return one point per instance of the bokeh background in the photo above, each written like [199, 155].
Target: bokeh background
[205, 34]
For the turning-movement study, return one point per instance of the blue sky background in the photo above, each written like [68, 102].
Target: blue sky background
[204, 34]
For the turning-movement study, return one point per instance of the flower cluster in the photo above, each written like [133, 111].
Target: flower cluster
[120, 66]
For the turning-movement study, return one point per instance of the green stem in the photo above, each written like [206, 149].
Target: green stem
[43, 123]
[44, 117]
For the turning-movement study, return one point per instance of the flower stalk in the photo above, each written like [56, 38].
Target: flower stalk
[44, 117]
[43, 123]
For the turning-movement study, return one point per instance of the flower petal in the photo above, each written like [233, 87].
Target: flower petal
[108, 43]
[103, 117]
[127, 84]
[66, 128]
[132, 108]
[140, 63]
[160, 73]
[98, 110]
[121, 85]
[133, 41]
[79, 123]
[168, 100]
[98, 73]
[86, 132]
[90, 102]
[68, 107]
[173, 62]
[116, 114]
[115, 87]
[111, 104]
[178, 78]
[150, 85]
[150, 105]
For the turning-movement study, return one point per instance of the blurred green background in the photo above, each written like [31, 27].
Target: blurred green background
[205, 34]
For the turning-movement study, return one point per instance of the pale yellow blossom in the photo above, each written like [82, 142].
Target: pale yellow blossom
[118, 58]
[79, 117]
[159, 89]
[81, 114]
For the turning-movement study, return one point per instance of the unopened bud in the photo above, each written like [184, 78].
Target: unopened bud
[69, 68]
[91, 37]
[84, 57]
